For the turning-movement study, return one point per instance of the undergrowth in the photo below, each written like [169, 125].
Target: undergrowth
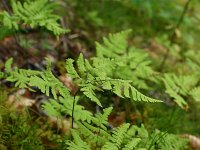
[117, 77]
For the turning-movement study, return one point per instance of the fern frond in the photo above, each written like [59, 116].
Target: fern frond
[70, 69]
[102, 119]
[88, 91]
[95, 133]
[2, 74]
[132, 63]
[78, 143]
[79, 111]
[114, 45]
[65, 106]
[117, 137]
[34, 13]
[165, 141]
[9, 21]
[123, 88]
[195, 93]
[94, 77]
[51, 109]
[81, 64]
[139, 132]
[132, 144]
[179, 86]
[8, 64]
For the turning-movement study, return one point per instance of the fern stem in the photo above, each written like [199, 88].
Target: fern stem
[171, 37]
[73, 107]
[73, 112]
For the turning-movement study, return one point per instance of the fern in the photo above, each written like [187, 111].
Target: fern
[78, 143]
[117, 138]
[95, 132]
[114, 45]
[179, 86]
[65, 106]
[165, 141]
[132, 63]
[132, 144]
[92, 77]
[33, 13]
[1, 75]
[195, 93]
[48, 84]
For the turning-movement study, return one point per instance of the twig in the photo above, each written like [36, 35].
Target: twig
[64, 39]
[171, 38]
[4, 3]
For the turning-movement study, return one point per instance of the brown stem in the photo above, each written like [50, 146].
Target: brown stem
[171, 37]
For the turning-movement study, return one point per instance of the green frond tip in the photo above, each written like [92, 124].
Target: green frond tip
[137, 96]
[1, 75]
[124, 89]
[8, 65]
[70, 69]
[195, 93]
[81, 64]
[101, 119]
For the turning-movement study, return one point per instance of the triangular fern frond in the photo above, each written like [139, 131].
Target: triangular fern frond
[114, 45]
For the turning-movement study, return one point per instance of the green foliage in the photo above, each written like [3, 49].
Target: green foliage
[117, 73]
[16, 130]
[34, 13]
[93, 76]
[95, 133]
[105, 73]
[165, 141]
[131, 63]
[1, 75]
[78, 143]
[125, 137]
[181, 86]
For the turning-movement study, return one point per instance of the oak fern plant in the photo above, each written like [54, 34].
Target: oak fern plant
[93, 77]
